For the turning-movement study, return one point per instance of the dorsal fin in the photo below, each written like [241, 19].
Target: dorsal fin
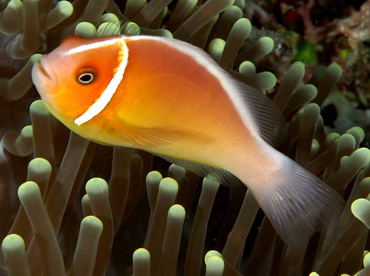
[268, 118]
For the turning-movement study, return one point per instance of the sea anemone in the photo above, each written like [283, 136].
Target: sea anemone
[88, 209]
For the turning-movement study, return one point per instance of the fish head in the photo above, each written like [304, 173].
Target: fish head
[74, 76]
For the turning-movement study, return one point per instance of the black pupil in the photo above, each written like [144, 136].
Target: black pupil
[86, 78]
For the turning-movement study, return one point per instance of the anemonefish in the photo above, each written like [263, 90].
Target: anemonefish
[170, 98]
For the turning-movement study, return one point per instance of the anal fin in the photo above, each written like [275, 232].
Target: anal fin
[269, 119]
[214, 173]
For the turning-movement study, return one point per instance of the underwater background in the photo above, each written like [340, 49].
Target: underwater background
[69, 206]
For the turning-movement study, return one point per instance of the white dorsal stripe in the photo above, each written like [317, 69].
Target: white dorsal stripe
[109, 91]
[94, 45]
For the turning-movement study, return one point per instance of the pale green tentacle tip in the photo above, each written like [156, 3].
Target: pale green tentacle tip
[357, 160]
[176, 212]
[10, 22]
[244, 25]
[40, 166]
[211, 253]
[361, 155]
[266, 44]
[334, 70]
[247, 67]
[310, 89]
[357, 132]
[233, 11]
[13, 244]
[110, 25]
[210, 184]
[27, 133]
[364, 185]
[62, 11]
[361, 210]
[15, 259]
[177, 171]
[168, 185]
[240, 3]
[16, 87]
[263, 81]
[86, 30]
[333, 136]
[110, 17]
[65, 8]
[366, 260]
[130, 28]
[108, 28]
[296, 70]
[39, 107]
[262, 47]
[92, 223]
[86, 206]
[96, 186]
[19, 144]
[85, 200]
[28, 191]
[314, 274]
[141, 254]
[34, 58]
[215, 266]
[346, 140]
[153, 177]
[312, 108]
[216, 48]
[298, 65]
[315, 146]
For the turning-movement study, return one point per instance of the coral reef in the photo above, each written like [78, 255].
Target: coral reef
[88, 209]
[322, 32]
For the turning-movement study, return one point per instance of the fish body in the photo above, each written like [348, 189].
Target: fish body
[170, 98]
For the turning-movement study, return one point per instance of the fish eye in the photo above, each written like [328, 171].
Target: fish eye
[86, 76]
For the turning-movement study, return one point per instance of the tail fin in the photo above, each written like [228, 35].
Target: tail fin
[297, 203]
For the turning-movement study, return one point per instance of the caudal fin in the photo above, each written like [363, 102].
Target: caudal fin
[297, 203]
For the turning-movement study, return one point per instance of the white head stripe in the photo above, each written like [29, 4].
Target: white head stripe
[93, 45]
[109, 91]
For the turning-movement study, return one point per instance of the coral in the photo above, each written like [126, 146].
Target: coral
[321, 32]
[356, 26]
[104, 211]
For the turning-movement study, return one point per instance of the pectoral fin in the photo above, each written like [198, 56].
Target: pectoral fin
[144, 137]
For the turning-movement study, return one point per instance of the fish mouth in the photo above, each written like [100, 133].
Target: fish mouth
[41, 70]
[42, 80]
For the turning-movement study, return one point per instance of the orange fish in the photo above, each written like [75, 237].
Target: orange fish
[170, 98]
